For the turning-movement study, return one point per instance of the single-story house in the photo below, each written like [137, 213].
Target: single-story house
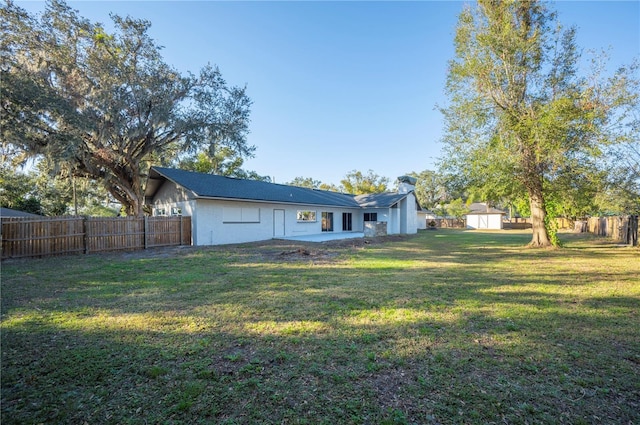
[227, 210]
[482, 216]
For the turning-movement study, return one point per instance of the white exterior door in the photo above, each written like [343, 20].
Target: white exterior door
[278, 223]
[483, 222]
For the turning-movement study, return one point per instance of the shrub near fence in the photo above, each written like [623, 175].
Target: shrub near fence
[450, 223]
[47, 236]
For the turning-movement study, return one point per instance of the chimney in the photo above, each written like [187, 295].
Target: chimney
[406, 184]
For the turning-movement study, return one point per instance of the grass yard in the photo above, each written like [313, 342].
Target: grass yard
[446, 327]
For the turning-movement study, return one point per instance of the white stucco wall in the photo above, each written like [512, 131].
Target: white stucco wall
[422, 220]
[404, 218]
[213, 227]
[382, 214]
[393, 226]
[218, 222]
[412, 214]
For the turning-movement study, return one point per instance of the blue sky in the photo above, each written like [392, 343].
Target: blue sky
[341, 86]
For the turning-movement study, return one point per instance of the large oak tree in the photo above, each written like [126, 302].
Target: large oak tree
[521, 120]
[106, 105]
[430, 189]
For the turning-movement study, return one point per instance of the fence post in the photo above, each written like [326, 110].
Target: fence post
[181, 241]
[146, 230]
[85, 239]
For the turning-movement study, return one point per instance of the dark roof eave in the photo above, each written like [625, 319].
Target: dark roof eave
[391, 198]
[217, 198]
[487, 212]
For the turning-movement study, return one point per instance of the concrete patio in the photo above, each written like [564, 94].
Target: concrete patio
[323, 237]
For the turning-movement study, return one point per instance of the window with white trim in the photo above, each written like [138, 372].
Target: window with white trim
[370, 216]
[306, 216]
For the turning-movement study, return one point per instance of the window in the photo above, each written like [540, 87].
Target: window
[176, 211]
[306, 215]
[327, 222]
[160, 212]
[346, 222]
[370, 216]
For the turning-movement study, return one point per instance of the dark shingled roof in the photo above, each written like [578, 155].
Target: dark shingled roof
[8, 212]
[221, 187]
[379, 200]
[213, 186]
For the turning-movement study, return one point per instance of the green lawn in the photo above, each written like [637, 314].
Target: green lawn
[444, 327]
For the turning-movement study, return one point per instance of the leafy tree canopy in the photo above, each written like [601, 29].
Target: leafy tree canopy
[430, 189]
[38, 193]
[16, 192]
[307, 182]
[357, 183]
[310, 183]
[456, 208]
[106, 105]
[225, 162]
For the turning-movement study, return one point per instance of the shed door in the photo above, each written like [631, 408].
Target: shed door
[483, 222]
[278, 223]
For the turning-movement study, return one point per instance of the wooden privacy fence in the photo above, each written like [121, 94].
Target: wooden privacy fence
[623, 229]
[46, 236]
[525, 223]
[450, 222]
[514, 223]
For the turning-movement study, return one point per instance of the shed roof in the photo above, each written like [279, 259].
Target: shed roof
[482, 208]
[220, 187]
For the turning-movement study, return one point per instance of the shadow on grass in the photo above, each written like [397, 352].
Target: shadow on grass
[385, 334]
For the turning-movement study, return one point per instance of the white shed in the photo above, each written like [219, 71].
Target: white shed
[482, 216]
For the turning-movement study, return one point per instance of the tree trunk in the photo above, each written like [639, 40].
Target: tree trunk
[632, 230]
[134, 209]
[128, 190]
[138, 201]
[540, 237]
